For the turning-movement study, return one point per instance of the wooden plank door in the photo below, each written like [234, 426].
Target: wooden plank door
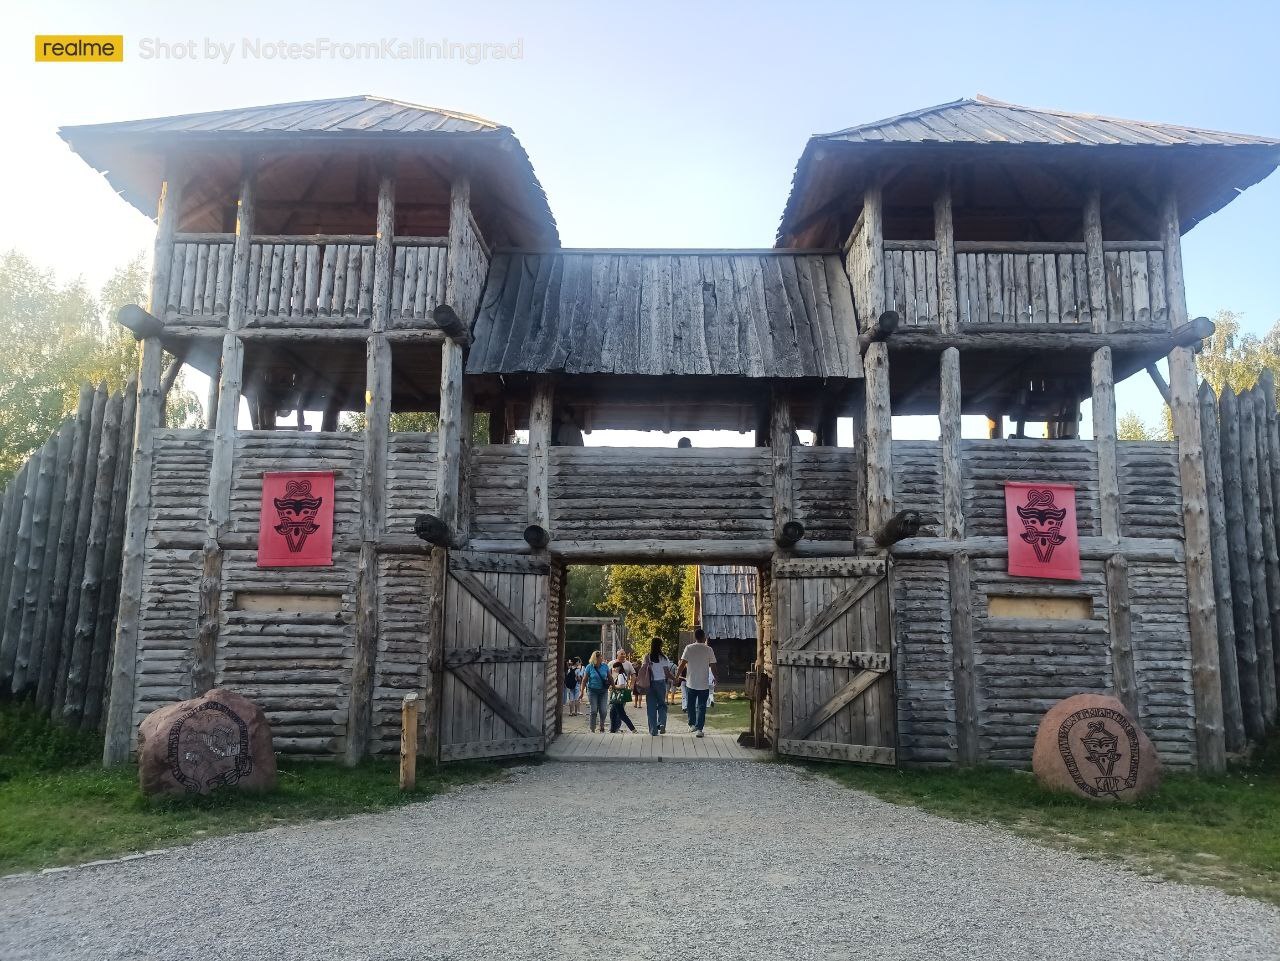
[495, 655]
[833, 680]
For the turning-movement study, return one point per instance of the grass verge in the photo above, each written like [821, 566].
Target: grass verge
[1222, 831]
[58, 806]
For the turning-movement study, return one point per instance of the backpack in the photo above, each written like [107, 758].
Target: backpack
[571, 678]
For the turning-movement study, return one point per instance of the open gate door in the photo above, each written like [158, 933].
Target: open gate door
[833, 685]
[495, 655]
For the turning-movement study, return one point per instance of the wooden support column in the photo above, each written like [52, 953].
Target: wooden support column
[377, 410]
[451, 448]
[1124, 677]
[222, 467]
[1211, 435]
[879, 427]
[1269, 423]
[1205, 682]
[781, 438]
[541, 412]
[1094, 260]
[119, 726]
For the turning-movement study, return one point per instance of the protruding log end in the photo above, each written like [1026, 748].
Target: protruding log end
[883, 329]
[536, 537]
[789, 534]
[447, 319]
[900, 526]
[141, 323]
[1193, 332]
[432, 529]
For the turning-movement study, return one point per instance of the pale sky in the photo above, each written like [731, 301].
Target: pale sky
[655, 124]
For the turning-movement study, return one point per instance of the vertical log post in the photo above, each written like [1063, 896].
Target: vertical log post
[1267, 388]
[47, 693]
[46, 458]
[1095, 262]
[409, 742]
[452, 406]
[1206, 685]
[1233, 494]
[119, 727]
[8, 535]
[541, 412]
[1257, 556]
[18, 580]
[1210, 435]
[222, 469]
[781, 438]
[48, 568]
[1267, 515]
[879, 427]
[373, 487]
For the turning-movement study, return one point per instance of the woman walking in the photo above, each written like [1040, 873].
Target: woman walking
[619, 697]
[656, 672]
[599, 679]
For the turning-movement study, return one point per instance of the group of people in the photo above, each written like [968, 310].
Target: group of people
[614, 685]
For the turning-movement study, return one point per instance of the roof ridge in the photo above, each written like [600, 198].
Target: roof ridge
[899, 116]
[457, 114]
[1078, 115]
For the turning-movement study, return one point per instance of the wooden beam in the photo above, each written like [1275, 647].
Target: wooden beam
[118, 738]
[374, 478]
[781, 438]
[1162, 385]
[835, 609]
[900, 526]
[845, 696]
[452, 402]
[501, 613]
[486, 692]
[964, 677]
[944, 237]
[1094, 261]
[409, 742]
[1104, 434]
[541, 415]
[886, 324]
[1205, 681]
[952, 455]
[1044, 338]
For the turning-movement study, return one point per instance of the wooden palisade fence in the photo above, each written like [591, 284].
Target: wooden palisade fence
[61, 539]
[1241, 435]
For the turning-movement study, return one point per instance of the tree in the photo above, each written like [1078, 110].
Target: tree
[422, 422]
[58, 336]
[1235, 360]
[656, 600]
[585, 591]
[1132, 427]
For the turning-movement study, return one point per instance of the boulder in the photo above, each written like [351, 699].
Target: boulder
[1089, 745]
[195, 746]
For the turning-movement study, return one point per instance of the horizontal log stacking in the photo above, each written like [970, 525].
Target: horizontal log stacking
[1011, 284]
[828, 491]
[60, 554]
[303, 279]
[613, 493]
[411, 480]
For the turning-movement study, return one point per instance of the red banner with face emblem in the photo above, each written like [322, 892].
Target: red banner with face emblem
[296, 525]
[1043, 541]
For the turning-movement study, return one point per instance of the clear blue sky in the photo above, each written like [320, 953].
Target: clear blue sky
[659, 123]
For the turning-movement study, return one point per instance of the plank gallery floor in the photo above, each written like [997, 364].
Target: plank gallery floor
[577, 743]
[566, 860]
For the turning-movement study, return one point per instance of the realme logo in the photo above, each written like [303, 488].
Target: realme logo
[79, 49]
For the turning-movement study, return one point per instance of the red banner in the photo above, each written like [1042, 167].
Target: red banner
[295, 528]
[1041, 520]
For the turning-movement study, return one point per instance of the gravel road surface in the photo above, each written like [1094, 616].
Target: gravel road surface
[730, 860]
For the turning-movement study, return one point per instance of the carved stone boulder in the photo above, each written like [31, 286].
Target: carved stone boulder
[215, 740]
[1089, 745]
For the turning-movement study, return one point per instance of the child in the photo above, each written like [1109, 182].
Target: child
[619, 697]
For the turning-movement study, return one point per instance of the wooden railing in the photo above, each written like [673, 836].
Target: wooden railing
[303, 279]
[1028, 283]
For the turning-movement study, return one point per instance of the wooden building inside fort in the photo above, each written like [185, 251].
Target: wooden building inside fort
[372, 257]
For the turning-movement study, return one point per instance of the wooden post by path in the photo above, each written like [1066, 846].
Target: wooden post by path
[409, 742]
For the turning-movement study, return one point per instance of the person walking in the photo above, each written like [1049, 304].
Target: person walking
[619, 697]
[695, 669]
[572, 696]
[599, 680]
[656, 672]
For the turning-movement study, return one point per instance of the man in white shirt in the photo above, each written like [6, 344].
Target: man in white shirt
[695, 669]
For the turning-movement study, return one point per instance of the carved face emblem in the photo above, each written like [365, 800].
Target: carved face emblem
[1092, 749]
[209, 747]
[1042, 523]
[297, 514]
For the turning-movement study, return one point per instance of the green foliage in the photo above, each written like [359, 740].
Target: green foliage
[56, 337]
[1235, 360]
[1132, 427]
[656, 600]
[420, 422]
[58, 806]
[586, 590]
[1223, 831]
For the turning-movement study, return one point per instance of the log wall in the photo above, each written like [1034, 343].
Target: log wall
[62, 519]
[1022, 666]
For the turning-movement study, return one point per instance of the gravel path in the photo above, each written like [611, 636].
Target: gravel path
[761, 861]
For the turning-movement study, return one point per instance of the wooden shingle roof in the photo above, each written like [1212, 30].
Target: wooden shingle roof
[749, 313]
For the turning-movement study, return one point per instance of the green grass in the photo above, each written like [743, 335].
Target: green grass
[57, 806]
[729, 716]
[1223, 831]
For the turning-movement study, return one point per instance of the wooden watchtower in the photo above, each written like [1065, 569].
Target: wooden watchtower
[333, 264]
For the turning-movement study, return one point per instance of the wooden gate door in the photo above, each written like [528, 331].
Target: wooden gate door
[495, 655]
[833, 680]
